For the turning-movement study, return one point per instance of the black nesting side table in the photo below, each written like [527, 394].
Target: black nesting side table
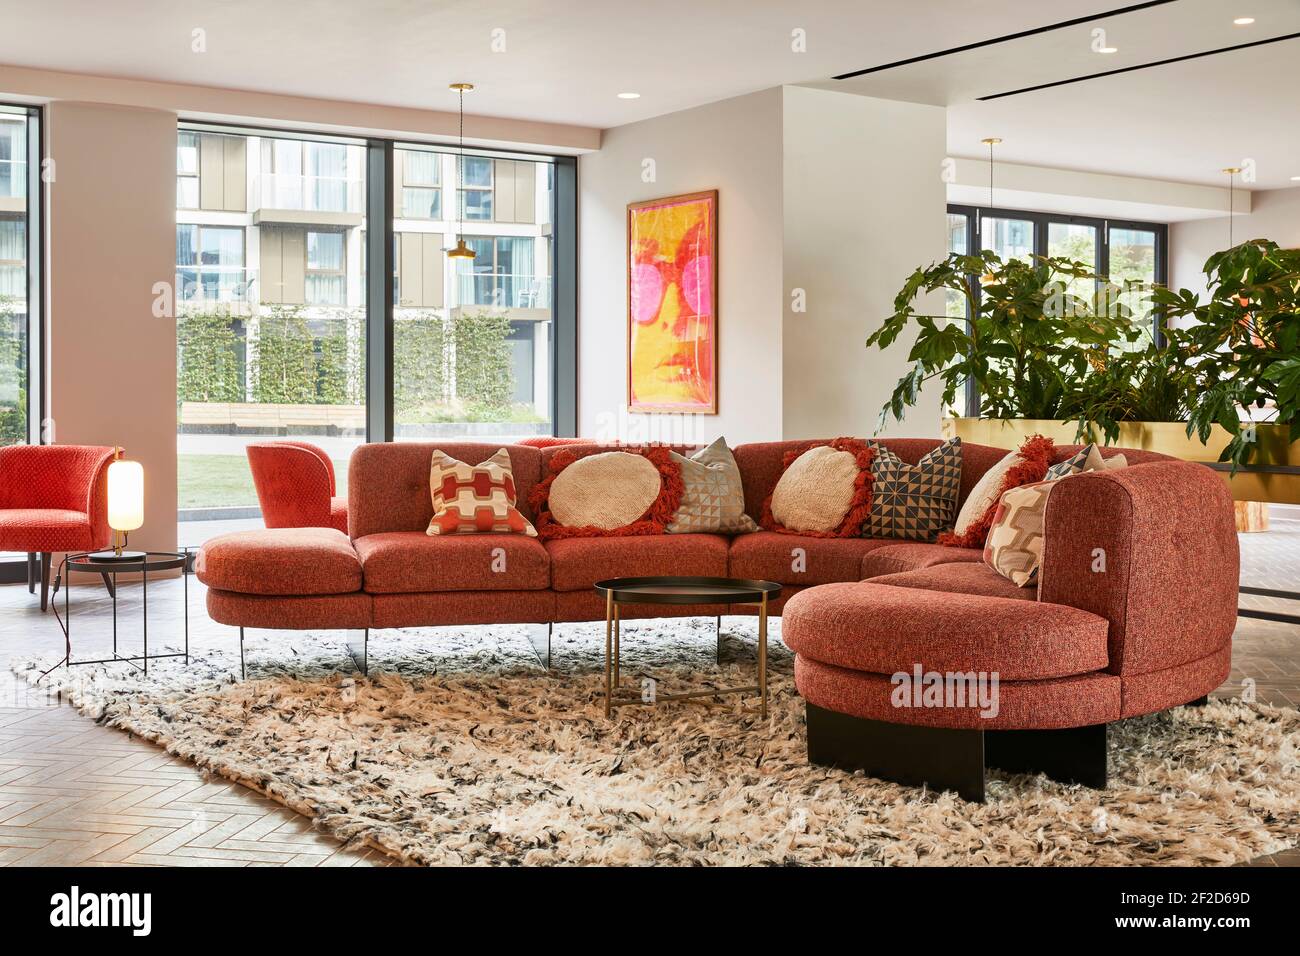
[148, 562]
[683, 590]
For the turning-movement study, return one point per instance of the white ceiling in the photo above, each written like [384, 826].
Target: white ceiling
[565, 61]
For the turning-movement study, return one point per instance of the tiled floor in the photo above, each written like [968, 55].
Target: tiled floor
[75, 793]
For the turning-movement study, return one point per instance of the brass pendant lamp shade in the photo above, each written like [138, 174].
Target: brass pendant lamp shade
[460, 250]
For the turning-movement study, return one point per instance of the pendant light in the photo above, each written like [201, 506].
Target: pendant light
[989, 278]
[461, 251]
[1232, 172]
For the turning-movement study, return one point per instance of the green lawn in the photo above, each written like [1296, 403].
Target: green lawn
[224, 481]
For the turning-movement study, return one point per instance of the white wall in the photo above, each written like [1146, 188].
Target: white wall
[864, 206]
[1275, 214]
[112, 235]
[734, 147]
[838, 195]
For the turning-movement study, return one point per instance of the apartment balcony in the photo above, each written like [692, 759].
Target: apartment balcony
[202, 288]
[504, 290]
[313, 200]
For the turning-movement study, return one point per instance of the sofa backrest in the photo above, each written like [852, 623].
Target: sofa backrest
[388, 482]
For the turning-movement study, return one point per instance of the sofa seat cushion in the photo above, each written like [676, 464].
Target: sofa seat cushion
[405, 562]
[894, 558]
[963, 577]
[799, 559]
[578, 563]
[293, 561]
[46, 529]
[882, 629]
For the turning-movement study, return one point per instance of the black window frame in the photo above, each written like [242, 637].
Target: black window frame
[14, 570]
[1041, 221]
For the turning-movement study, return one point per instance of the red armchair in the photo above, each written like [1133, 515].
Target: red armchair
[295, 486]
[53, 498]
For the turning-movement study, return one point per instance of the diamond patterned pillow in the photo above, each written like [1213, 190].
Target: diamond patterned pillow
[713, 499]
[473, 499]
[1087, 458]
[915, 502]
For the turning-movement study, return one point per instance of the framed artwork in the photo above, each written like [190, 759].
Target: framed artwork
[672, 304]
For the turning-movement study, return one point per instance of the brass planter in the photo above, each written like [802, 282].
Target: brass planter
[1274, 475]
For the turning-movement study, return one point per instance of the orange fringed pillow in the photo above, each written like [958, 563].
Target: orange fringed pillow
[631, 491]
[1024, 466]
[824, 491]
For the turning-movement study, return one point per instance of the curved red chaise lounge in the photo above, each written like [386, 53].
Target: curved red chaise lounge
[1134, 611]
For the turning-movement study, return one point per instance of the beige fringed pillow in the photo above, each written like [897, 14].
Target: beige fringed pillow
[1014, 547]
[608, 490]
[713, 499]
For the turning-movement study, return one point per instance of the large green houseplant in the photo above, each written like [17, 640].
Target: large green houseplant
[1243, 344]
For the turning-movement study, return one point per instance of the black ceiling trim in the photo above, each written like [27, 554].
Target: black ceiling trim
[1010, 36]
[1140, 66]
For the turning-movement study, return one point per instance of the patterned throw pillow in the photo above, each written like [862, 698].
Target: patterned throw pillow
[1014, 547]
[1025, 465]
[474, 499]
[713, 499]
[824, 491]
[1087, 458]
[915, 502]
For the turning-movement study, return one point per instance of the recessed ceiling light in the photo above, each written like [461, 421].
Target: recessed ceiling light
[1109, 49]
[1295, 179]
[1243, 21]
[629, 96]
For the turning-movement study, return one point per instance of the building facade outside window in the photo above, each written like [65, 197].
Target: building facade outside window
[19, 283]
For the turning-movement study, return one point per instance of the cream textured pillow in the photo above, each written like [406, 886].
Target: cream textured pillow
[606, 491]
[816, 491]
[713, 499]
[985, 494]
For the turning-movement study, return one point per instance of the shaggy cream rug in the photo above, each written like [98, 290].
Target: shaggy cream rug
[460, 749]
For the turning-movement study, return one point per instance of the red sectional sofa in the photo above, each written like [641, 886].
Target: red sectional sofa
[1151, 630]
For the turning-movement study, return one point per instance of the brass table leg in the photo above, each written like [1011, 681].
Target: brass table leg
[618, 659]
[762, 658]
[609, 630]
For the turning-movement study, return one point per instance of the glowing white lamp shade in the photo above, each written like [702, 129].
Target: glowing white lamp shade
[125, 495]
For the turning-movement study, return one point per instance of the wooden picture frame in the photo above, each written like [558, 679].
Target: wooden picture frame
[672, 304]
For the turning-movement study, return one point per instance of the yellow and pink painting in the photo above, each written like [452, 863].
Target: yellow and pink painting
[672, 273]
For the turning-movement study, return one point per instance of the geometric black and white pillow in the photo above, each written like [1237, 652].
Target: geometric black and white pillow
[914, 502]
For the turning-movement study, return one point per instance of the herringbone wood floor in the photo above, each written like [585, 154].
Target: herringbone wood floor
[75, 793]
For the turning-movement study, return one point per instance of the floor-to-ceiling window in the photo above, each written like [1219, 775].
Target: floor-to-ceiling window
[20, 297]
[472, 338]
[19, 288]
[271, 311]
[276, 238]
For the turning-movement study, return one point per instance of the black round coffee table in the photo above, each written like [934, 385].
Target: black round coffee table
[683, 590]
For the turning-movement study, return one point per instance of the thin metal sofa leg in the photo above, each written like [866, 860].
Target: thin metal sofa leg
[539, 636]
[361, 655]
[242, 674]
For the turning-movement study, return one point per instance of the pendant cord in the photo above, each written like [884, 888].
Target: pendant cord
[1230, 209]
[460, 173]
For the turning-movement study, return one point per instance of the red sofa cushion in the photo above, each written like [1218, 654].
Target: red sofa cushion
[284, 561]
[578, 563]
[45, 529]
[963, 577]
[339, 513]
[884, 630]
[405, 562]
[768, 555]
[895, 558]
